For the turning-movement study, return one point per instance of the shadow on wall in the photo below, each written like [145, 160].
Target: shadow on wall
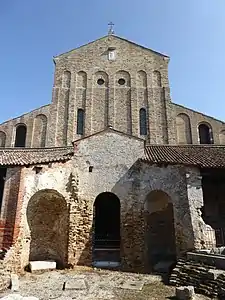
[138, 232]
[48, 219]
[10, 210]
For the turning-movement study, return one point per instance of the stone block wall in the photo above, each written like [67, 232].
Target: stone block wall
[36, 123]
[137, 78]
[187, 122]
[110, 80]
[207, 280]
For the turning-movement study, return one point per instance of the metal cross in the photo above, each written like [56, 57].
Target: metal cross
[111, 31]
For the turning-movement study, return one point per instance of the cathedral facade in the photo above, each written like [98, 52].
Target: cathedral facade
[112, 172]
[111, 82]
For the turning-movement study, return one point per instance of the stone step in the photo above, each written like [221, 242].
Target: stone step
[42, 265]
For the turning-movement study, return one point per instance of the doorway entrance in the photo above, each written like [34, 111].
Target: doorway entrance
[160, 231]
[106, 235]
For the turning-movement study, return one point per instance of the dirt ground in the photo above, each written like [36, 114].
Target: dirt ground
[90, 284]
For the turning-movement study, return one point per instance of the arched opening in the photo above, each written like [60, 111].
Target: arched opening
[21, 133]
[40, 131]
[205, 134]
[157, 82]
[141, 79]
[2, 139]
[48, 220]
[81, 80]
[143, 121]
[160, 232]
[80, 121]
[183, 129]
[66, 79]
[106, 235]
[222, 137]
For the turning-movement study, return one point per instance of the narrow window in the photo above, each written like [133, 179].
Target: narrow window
[2, 183]
[143, 121]
[112, 55]
[80, 121]
[21, 132]
[205, 134]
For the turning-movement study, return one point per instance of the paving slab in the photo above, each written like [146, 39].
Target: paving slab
[18, 297]
[132, 285]
[75, 284]
[42, 265]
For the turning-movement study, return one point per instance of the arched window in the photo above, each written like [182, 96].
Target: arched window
[21, 132]
[205, 134]
[2, 139]
[80, 121]
[143, 121]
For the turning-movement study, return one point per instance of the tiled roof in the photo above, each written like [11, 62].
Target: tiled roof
[203, 156]
[23, 157]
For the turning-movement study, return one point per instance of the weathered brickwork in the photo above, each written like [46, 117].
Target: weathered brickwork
[54, 207]
[49, 209]
[111, 92]
[36, 124]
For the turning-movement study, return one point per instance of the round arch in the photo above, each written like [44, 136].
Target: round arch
[48, 220]
[159, 228]
[21, 134]
[205, 133]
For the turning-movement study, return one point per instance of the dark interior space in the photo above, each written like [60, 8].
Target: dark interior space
[213, 211]
[21, 132]
[106, 240]
[205, 134]
[2, 183]
[160, 231]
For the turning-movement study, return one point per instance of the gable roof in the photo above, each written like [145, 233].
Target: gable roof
[116, 37]
[202, 156]
[109, 129]
[31, 156]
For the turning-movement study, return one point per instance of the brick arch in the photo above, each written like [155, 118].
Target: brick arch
[40, 131]
[21, 135]
[205, 133]
[48, 220]
[156, 79]
[101, 79]
[222, 137]
[81, 79]
[66, 79]
[2, 139]
[122, 75]
[160, 239]
[183, 125]
[141, 79]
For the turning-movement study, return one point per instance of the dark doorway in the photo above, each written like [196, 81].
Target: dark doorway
[106, 239]
[2, 183]
[21, 132]
[213, 211]
[160, 231]
[205, 134]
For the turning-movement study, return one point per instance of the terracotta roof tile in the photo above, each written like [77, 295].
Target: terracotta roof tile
[203, 156]
[22, 157]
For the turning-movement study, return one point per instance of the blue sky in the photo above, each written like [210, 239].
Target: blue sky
[191, 32]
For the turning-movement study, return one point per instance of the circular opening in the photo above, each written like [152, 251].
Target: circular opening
[100, 81]
[121, 81]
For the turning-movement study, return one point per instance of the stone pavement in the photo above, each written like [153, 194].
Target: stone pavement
[88, 285]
